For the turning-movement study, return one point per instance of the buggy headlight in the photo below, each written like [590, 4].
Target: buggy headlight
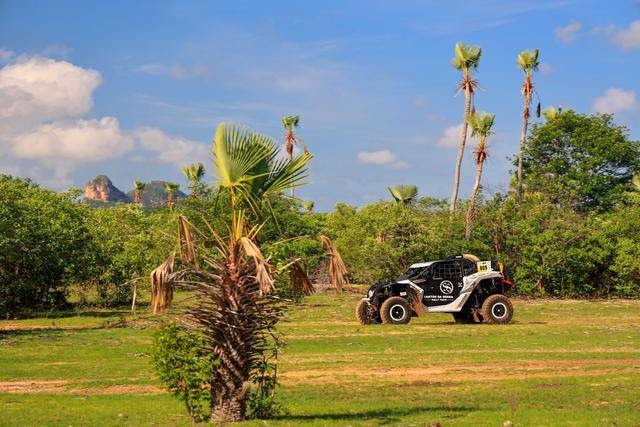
[370, 294]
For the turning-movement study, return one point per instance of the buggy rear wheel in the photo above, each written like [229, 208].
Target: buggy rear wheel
[497, 309]
[396, 310]
[366, 313]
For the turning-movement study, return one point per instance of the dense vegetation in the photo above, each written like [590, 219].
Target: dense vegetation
[575, 233]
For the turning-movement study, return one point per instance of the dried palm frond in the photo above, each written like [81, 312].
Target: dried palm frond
[538, 111]
[162, 284]
[263, 273]
[337, 270]
[186, 242]
[298, 280]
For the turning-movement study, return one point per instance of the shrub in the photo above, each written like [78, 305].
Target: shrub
[184, 363]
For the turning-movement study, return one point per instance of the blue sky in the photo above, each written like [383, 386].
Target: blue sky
[133, 89]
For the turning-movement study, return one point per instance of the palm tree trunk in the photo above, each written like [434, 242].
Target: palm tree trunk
[523, 140]
[463, 140]
[471, 213]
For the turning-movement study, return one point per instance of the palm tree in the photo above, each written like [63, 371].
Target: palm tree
[552, 113]
[404, 194]
[194, 174]
[481, 124]
[138, 186]
[234, 309]
[528, 62]
[170, 188]
[308, 205]
[466, 60]
[290, 138]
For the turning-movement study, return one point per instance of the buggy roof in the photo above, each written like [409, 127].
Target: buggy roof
[422, 264]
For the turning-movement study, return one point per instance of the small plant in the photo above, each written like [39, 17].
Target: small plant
[261, 402]
[185, 364]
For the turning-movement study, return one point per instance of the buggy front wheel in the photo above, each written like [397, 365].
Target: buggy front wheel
[395, 310]
[366, 313]
[497, 309]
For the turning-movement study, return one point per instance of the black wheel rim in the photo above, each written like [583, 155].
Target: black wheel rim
[499, 310]
[397, 312]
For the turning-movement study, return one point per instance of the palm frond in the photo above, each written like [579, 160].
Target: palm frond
[138, 185]
[162, 284]
[481, 124]
[337, 270]
[403, 193]
[299, 282]
[528, 60]
[467, 57]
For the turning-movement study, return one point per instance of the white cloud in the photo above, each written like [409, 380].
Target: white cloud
[173, 150]
[450, 137]
[36, 89]
[5, 54]
[382, 157]
[83, 141]
[615, 100]
[177, 71]
[626, 38]
[546, 68]
[569, 32]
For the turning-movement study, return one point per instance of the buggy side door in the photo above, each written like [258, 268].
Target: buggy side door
[443, 283]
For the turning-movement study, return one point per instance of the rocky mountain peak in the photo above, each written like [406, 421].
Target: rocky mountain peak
[102, 189]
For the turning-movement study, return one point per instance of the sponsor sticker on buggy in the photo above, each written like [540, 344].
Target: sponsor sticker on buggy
[484, 266]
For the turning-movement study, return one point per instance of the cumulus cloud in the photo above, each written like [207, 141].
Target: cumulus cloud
[177, 151]
[569, 32]
[625, 38]
[5, 54]
[615, 100]
[450, 137]
[84, 140]
[177, 71]
[382, 157]
[36, 89]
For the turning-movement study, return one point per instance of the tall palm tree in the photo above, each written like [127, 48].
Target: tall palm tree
[234, 310]
[528, 62]
[552, 113]
[291, 139]
[403, 194]
[138, 186]
[194, 174]
[170, 188]
[466, 60]
[481, 127]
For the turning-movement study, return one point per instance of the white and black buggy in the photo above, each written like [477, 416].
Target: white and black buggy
[473, 291]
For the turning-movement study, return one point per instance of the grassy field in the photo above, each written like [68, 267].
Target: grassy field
[559, 363]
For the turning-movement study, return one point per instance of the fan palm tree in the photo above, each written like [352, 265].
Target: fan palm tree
[466, 60]
[481, 127]
[308, 205]
[290, 138]
[552, 113]
[138, 186]
[194, 174]
[170, 188]
[234, 309]
[404, 194]
[528, 62]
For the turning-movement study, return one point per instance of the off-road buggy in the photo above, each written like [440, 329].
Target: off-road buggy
[473, 291]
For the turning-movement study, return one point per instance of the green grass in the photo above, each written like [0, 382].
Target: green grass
[559, 363]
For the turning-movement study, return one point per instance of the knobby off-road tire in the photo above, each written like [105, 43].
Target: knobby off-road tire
[366, 313]
[497, 309]
[396, 311]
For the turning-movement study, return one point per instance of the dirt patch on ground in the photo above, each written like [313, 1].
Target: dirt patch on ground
[32, 386]
[62, 387]
[528, 369]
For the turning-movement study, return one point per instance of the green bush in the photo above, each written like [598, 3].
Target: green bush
[45, 246]
[184, 363]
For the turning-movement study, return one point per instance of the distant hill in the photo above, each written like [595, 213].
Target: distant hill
[101, 189]
[154, 196]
